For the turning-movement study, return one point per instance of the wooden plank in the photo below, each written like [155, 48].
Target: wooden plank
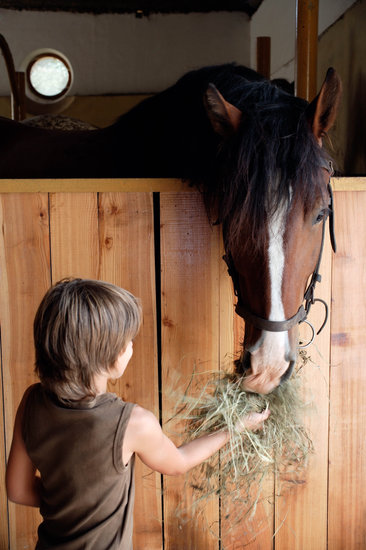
[190, 340]
[118, 248]
[4, 531]
[347, 457]
[25, 276]
[74, 235]
[127, 259]
[255, 534]
[90, 185]
[300, 517]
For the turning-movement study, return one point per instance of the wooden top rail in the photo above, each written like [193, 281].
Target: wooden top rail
[128, 185]
[90, 185]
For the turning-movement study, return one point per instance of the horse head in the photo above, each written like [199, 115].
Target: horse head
[272, 195]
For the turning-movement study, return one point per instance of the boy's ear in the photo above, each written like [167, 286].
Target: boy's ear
[224, 117]
[322, 111]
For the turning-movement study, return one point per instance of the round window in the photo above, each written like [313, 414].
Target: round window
[49, 76]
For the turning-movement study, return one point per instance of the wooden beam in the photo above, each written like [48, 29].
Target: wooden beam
[90, 185]
[306, 48]
[264, 56]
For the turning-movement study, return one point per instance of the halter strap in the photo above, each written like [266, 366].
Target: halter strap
[266, 324]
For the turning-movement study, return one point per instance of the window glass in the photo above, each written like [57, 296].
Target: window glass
[49, 76]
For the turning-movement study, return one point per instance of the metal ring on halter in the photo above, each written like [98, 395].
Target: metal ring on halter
[326, 313]
[312, 336]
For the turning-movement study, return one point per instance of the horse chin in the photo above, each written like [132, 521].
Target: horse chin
[260, 383]
[288, 373]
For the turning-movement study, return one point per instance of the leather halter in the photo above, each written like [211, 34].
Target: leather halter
[301, 316]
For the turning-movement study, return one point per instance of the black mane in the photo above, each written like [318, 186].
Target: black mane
[273, 152]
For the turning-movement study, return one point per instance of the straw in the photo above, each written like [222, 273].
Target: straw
[238, 473]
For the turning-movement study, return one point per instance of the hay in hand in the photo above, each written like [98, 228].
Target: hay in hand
[238, 471]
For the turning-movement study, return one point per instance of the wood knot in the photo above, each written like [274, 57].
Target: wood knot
[340, 339]
[113, 210]
[108, 242]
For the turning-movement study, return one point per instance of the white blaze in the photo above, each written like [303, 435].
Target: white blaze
[276, 259]
[275, 344]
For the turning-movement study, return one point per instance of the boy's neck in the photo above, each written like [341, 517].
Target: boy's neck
[100, 383]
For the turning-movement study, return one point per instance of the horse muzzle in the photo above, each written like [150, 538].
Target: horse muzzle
[260, 377]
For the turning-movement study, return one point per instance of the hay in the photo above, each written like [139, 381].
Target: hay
[238, 472]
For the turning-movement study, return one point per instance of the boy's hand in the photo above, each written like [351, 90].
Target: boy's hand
[253, 421]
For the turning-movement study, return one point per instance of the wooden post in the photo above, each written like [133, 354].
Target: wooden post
[306, 48]
[264, 56]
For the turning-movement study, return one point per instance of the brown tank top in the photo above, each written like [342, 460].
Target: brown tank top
[87, 492]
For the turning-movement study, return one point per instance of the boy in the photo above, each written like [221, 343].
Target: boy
[82, 439]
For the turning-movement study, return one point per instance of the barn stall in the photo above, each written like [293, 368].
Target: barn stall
[153, 237]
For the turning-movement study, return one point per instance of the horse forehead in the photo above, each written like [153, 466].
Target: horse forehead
[276, 227]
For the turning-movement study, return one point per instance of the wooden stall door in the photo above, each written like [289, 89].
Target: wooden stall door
[109, 236]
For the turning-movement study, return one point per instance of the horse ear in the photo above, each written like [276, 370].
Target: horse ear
[224, 117]
[322, 111]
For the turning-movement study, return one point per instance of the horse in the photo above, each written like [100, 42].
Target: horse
[255, 152]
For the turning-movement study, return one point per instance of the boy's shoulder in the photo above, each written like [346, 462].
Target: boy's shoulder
[143, 430]
[142, 419]
[32, 389]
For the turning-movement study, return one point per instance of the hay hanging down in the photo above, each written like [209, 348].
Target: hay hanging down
[238, 471]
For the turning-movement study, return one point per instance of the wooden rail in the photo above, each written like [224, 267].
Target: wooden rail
[128, 185]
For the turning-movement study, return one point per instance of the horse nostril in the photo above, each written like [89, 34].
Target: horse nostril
[288, 372]
[242, 365]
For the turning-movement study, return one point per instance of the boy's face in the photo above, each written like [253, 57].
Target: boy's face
[122, 361]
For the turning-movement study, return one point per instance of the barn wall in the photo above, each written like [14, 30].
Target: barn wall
[343, 46]
[283, 33]
[121, 54]
[44, 238]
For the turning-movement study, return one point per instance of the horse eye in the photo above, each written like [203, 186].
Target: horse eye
[322, 215]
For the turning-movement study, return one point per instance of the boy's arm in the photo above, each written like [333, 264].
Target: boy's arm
[145, 437]
[22, 484]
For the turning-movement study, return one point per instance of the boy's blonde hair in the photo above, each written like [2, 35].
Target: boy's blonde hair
[80, 329]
